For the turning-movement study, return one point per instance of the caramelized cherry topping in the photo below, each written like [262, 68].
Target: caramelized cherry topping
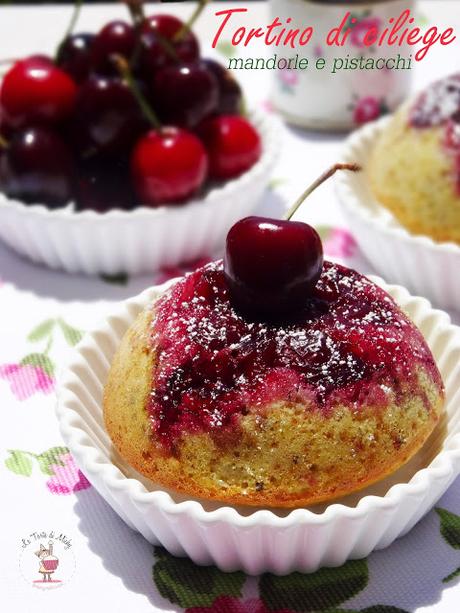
[350, 345]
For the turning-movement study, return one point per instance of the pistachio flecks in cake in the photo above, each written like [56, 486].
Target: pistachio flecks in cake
[351, 346]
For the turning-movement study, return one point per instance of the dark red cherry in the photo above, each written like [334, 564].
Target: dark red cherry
[168, 166]
[38, 167]
[35, 90]
[108, 118]
[233, 145]
[151, 56]
[271, 266]
[185, 94]
[75, 55]
[6, 129]
[165, 27]
[104, 184]
[115, 38]
[230, 95]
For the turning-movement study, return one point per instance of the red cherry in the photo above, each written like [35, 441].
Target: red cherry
[104, 184]
[233, 145]
[271, 266]
[108, 118]
[168, 166]
[152, 55]
[38, 167]
[230, 95]
[185, 94]
[187, 49]
[34, 90]
[115, 38]
[75, 55]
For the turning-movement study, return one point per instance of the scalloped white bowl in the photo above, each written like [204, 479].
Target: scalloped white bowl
[417, 262]
[144, 239]
[259, 540]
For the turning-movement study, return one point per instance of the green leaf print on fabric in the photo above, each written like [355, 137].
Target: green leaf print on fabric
[41, 360]
[382, 608]
[226, 49]
[119, 279]
[276, 182]
[320, 591]
[450, 531]
[51, 457]
[71, 334]
[43, 330]
[450, 527]
[324, 231]
[184, 583]
[19, 463]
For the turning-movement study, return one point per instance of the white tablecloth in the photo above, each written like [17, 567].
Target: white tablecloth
[107, 566]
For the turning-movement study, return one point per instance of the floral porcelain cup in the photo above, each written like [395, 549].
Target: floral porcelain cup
[324, 99]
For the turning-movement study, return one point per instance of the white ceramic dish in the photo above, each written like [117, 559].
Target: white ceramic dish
[417, 262]
[145, 239]
[258, 540]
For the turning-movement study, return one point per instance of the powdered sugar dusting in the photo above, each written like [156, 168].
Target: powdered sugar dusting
[438, 103]
[350, 345]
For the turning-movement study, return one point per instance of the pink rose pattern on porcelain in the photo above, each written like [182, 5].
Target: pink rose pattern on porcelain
[363, 24]
[364, 105]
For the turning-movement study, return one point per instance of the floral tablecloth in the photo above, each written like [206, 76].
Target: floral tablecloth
[94, 559]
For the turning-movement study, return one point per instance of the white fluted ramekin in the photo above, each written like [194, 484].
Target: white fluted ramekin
[417, 262]
[144, 239]
[259, 540]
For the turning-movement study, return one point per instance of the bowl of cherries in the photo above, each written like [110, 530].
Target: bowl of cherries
[128, 150]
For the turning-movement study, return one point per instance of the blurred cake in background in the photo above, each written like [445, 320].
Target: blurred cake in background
[415, 166]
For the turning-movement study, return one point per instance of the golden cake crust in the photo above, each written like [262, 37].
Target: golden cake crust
[413, 176]
[286, 455]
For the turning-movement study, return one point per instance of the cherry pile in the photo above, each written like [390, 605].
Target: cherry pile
[130, 115]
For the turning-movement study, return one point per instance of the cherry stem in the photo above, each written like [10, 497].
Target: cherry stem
[186, 27]
[4, 144]
[125, 72]
[71, 25]
[324, 177]
[136, 10]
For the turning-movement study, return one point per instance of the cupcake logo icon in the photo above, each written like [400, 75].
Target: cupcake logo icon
[48, 564]
[47, 560]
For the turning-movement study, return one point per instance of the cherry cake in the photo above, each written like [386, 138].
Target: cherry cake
[415, 166]
[210, 400]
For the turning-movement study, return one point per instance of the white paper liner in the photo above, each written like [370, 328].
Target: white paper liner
[259, 540]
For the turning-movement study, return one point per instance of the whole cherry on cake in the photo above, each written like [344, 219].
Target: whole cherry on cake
[272, 266]
[103, 117]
